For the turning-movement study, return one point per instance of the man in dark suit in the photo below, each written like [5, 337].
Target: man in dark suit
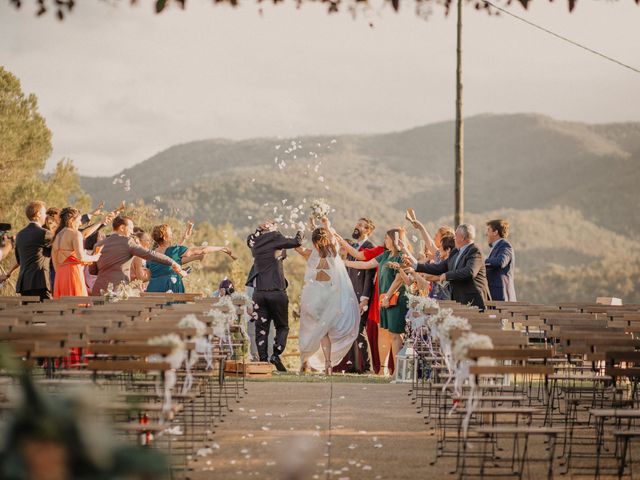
[33, 254]
[363, 281]
[501, 262]
[270, 289]
[464, 269]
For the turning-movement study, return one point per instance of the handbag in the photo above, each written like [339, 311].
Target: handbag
[393, 300]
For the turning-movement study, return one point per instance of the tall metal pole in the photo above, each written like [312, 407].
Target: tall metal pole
[459, 172]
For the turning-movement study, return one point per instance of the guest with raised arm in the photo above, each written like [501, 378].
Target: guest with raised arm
[69, 256]
[373, 319]
[118, 250]
[393, 304]
[464, 269]
[433, 246]
[139, 270]
[162, 278]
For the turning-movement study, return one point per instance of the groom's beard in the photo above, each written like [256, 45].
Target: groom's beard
[357, 234]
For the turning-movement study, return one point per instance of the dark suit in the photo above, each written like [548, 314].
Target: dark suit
[270, 294]
[33, 254]
[363, 281]
[467, 276]
[501, 265]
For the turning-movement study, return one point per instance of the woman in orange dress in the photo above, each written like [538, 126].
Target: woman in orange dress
[69, 256]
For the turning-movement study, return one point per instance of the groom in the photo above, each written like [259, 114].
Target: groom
[270, 288]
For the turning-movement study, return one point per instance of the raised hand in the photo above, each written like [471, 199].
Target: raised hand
[98, 209]
[229, 252]
[121, 207]
[189, 230]
[108, 218]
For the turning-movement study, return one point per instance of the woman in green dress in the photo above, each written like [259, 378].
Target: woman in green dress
[393, 300]
[163, 278]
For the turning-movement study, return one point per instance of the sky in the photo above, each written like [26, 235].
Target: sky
[118, 84]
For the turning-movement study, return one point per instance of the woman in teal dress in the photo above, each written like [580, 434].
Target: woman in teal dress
[163, 278]
[393, 310]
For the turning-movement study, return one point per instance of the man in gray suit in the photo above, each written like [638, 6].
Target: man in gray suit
[33, 254]
[118, 251]
[464, 269]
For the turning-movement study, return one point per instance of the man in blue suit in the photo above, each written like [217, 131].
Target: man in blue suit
[501, 262]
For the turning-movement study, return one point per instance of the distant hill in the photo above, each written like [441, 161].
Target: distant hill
[512, 161]
[570, 189]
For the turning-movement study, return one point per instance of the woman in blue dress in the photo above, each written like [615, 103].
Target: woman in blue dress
[163, 278]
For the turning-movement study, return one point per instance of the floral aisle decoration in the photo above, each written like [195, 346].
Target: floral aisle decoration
[419, 310]
[221, 325]
[461, 347]
[175, 359]
[122, 292]
[202, 347]
[244, 308]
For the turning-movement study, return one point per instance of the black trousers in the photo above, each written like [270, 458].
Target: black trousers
[43, 293]
[273, 306]
[362, 342]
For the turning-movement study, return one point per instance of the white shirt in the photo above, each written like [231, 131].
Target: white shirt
[493, 245]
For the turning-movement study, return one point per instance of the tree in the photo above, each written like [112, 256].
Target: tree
[25, 139]
[422, 7]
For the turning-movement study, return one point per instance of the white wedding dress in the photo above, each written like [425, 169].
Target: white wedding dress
[328, 307]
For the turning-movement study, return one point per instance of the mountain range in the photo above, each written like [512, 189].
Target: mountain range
[570, 190]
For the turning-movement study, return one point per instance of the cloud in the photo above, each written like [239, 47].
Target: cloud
[118, 84]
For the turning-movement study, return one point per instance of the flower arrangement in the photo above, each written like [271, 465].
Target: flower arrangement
[226, 303]
[450, 323]
[420, 304]
[241, 299]
[109, 295]
[123, 291]
[470, 341]
[191, 321]
[221, 322]
[319, 208]
[436, 319]
[176, 357]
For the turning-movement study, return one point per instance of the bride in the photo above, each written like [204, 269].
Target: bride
[329, 316]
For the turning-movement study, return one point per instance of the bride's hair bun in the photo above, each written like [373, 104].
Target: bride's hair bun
[320, 238]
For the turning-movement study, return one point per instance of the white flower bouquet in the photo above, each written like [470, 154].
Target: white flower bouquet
[320, 208]
[191, 321]
[420, 304]
[451, 323]
[470, 341]
[241, 299]
[176, 357]
[221, 323]
[110, 295]
[435, 320]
